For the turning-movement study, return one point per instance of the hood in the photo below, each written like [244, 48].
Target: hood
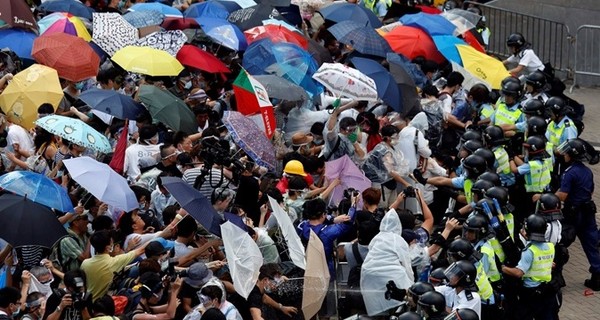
[391, 223]
[420, 122]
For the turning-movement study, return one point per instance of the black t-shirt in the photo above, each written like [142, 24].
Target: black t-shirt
[171, 169]
[255, 298]
[68, 313]
[189, 292]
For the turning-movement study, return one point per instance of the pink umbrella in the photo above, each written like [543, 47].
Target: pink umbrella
[349, 175]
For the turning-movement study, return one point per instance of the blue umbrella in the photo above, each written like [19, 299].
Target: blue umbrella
[362, 38]
[75, 8]
[37, 188]
[113, 103]
[433, 24]
[387, 88]
[157, 6]
[412, 70]
[209, 8]
[342, 11]
[141, 19]
[410, 98]
[18, 40]
[447, 46]
[101, 53]
[223, 32]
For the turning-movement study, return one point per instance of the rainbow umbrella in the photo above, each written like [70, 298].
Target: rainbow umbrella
[61, 22]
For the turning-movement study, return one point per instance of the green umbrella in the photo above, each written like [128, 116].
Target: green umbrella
[168, 109]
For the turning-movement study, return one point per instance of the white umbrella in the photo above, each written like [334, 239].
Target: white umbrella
[345, 81]
[470, 79]
[243, 257]
[170, 41]
[295, 247]
[103, 182]
[112, 32]
[463, 20]
[316, 277]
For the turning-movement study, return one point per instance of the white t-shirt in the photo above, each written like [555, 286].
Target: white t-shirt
[17, 134]
[459, 301]
[134, 153]
[301, 119]
[147, 237]
[529, 60]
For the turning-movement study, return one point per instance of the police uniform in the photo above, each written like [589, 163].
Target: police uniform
[557, 133]
[503, 166]
[534, 296]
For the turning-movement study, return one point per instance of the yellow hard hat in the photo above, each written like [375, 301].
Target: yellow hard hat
[294, 167]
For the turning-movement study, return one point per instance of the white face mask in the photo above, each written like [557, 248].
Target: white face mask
[164, 264]
[188, 85]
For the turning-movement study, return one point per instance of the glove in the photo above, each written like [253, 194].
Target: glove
[419, 176]
[393, 292]
[450, 192]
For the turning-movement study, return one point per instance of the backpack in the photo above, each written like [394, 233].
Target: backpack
[57, 257]
[435, 120]
[354, 295]
[129, 310]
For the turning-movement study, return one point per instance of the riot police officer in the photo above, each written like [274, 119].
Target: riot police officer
[432, 306]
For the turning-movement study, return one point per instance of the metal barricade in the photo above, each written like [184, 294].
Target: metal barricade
[587, 52]
[551, 40]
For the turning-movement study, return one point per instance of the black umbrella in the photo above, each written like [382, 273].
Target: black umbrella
[410, 97]
[24, 222]
[318, 52]
[253, 16]
[195, 203]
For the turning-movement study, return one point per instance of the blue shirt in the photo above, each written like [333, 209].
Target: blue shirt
[578, 182]
[568, 133]
[520, 124]
[526, 261]
[458, 182]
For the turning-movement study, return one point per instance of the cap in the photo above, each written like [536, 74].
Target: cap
[198, 94]
[155, 248]
[301, 138]
[198, 275]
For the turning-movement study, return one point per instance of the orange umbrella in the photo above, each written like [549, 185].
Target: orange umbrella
[413, 42]
[276, 33]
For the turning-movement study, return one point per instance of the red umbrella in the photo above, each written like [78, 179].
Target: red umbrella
[195, 57]
[413, 42]
[471, 37]
[175, 23]
[71, 56]
[16, 13]
[276, 33]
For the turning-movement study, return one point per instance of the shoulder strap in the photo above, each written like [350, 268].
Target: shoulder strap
[357, 256]
[337, 145]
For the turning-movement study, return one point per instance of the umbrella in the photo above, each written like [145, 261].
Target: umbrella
[112, 102]
[27, 91]
[473, 38]
[483, 66]
[233, 5]
[37, 188]
[275, 3]
[413, 42]
[290, 14]
[276, 34]
[60, 22]
[410, 97]
[254, 102]
[236, 220]
[433, 24]
[223, 32]
[275, 22]
[17, 14]
[148, 61]
[397, 10]
[168, 109]
[19, 41]
[361, 38]
[140, 19]
[470, 79]
[342, 11]
[171, 23]
[168, 11]
[345, 81]
[248, 136]
[24, 223]
[75, 8]
[247, 18]
[316, 277]
[211, 9]
[455, 15]
[243, 258]
[75, 131]
[294, 244]
[348, 173]
[411, 70]
[318, 52]
[447, 46]
[387, 88]
[169, 41]
[195, 203]
[194, 57]
[72, 57]
[112, 32]
[280, 88]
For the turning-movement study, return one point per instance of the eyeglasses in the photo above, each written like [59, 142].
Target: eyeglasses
[176, 153]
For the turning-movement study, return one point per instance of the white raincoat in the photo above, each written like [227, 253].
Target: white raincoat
[388, 259]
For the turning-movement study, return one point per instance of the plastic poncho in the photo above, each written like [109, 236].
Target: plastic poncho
[388, 259]
[375, 168]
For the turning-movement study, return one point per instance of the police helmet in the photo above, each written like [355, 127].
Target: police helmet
[433, 303]
[480, 187]
[536, 79]
[535, 145]
[466, 314]
[479, 224]
[510, 79]
[575, 148]
[459, 249]
[488, 156]
[462, 273]
[437, 277]
[409, 315]
[494, 136]
[472, 145]
[515, 40]
[549, 207]
[474, 166]
[512, 89]
[419, 288]
[535, 227]
[556, 105]
[491, 177]
[536, 126]
[480, 207]
[534, 107]
[470, 135]
[498, 193]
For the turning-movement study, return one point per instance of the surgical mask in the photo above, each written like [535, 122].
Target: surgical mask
[164, 264]
[318, 141]
[79, 85]
[152, 140]
[121, 5]
[353, 136]
[188, 85]
[16, 313]
[142, 206]
[180, 168]
[394, 141]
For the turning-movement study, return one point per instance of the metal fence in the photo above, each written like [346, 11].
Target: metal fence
[551, 40]
[587, 52]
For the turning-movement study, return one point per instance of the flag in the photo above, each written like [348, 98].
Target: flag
[117, 162]
[253, 101]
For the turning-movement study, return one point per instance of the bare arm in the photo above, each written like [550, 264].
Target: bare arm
[513, 272]
[427, 215]
[440, 181]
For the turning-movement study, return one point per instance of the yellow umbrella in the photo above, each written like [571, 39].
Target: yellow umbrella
[148, 61]
[316, 277]
[482, 66]
[27, 91]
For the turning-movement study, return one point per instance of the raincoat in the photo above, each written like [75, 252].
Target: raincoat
[381, 161]
[388, 259]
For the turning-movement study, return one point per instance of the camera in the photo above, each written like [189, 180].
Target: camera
[80, 298]
[350, 192]
[409, 192]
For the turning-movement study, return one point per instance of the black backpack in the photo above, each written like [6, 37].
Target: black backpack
[354, 295]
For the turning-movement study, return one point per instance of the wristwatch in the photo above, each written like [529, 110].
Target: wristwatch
[58, 309]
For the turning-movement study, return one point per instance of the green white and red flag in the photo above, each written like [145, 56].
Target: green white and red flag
[253, 102]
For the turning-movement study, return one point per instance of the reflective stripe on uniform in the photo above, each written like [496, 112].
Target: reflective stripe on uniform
[504, 115]
[483, 283]
[541, 266]
[502, 158]
[493, 273]
[538, 177]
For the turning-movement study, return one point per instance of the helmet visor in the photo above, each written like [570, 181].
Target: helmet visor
[564, 148]
[453, 273]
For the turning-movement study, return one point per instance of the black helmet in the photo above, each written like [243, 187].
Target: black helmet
[409, 315]
[536, 126]
[498, 193]
[549, 207]
[465, 314]
[494, 136]
[480, 208]
[535, 226]
[535, 145]
[470, 135]
[575, 148]
[512, 89]
[480, 187]
[463, 274]
[491, 177]
[419, 288]
[459, 249]
[450, 4]
[474, 166]
[433, 303]
[472, 145]
[479, 224]
[437, 276]
[516, 40]
[556, 105]
[536, 79]
[534, 107]
[510, 79]
[488, 156]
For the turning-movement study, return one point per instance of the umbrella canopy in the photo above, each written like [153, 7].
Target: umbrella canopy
[316, 277]
[168, 109]
[172, 23]
[294, 244]
[247, 18]
[17, 14]
[112, 102]
[72, 57]
[348, 173]
[140, 19]
[112, 32]
[413, 71]
[276, 34]
[75, 8]
[413, 42]
[387, 88]
[76, 131]
[347, 82]
[482, 66]
[168, 11]
[470, 79]
[148, 61]
[195, 203]
[61, 22]
[243, 258]
[248, 136]
[169, 41]
[456, 15]
[342, 11]
[25, 223]
[223, 32]
[103, 182]
[254, 102]
[280, 88]
[433, 24]
[447, 46]
[318, 52]
[212, 9]
[19, 41]
[410, 96]
[363, 39]
[27, 91]
[275, 22]
[194, 57]
[473, 38]
[37, 188]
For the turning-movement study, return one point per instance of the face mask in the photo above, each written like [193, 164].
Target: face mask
[121, 5]
[318, 141]
[112, 249]
[353, 136]
[180, 168]
[79, 85]
[153, 140]
[14, 314]
[43, 288]
[164, 265]
[188, 85]
[394, 141]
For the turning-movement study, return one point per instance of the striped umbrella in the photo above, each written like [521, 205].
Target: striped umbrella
[61, 22]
